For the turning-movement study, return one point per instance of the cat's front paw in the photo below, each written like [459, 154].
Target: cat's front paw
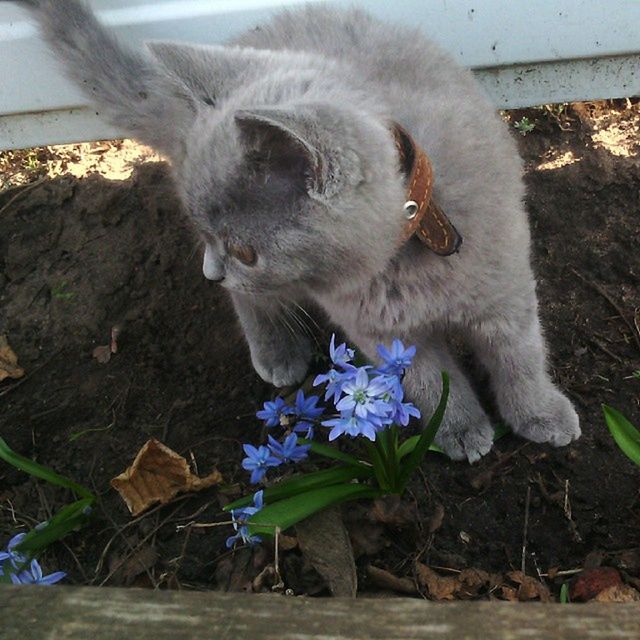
[283, 365]
[555, 421]
[465, 439]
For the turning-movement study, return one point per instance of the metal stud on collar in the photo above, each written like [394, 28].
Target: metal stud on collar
[410, 209]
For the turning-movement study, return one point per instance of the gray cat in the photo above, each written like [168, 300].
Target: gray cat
[287, 158]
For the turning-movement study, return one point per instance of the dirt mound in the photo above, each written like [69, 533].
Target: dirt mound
[79, 256]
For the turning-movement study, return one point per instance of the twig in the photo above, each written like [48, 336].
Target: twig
[566, 572]
[279, 585]
[525, 531]
[600, 346]
[29, 375]
[203, 525]
[23, 190]
[605, 294]
[567, 504]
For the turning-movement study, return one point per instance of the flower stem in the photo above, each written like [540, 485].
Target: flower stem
[377, 461]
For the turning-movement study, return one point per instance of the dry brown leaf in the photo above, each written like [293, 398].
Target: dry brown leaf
[508, 593]
[102, 353]
[158, 474]
[126, 569]
[588, 584]
[287, 543]
[529, 588]
[324, 542]
[393, 511]
[385, 580]
[437, 587]
[437, 518]
[8, 361]
[475, 582]
[618, 593]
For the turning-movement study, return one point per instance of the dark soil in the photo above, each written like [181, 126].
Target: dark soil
[78, 256]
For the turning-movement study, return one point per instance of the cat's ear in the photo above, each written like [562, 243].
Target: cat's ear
[210, 72]
[311, 133]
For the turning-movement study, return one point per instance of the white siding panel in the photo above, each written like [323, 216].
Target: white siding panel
[523, 52]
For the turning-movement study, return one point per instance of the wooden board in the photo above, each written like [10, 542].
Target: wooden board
[85, 613]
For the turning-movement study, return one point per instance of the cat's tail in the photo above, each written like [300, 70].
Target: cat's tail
[132, 91]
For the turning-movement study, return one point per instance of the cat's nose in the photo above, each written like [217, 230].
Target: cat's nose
[212, 265]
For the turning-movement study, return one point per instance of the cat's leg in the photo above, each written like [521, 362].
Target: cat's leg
[512, 347]
[280, 352]
[466, 431]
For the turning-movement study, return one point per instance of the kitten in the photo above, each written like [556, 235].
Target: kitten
[287, 160]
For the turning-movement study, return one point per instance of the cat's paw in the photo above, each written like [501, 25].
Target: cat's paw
[284, 366]
[466, 440]
[555, 422]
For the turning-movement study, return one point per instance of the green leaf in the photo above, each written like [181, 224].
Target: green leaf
[66, 520]
[564, 593]
[307, 482]
[376, 460]
[624, 433]
[39, 471]
[426, 439]
[331, 452]
[285, 513]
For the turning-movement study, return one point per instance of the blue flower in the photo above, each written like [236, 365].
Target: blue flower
[364, 396]
[401, 411]
[258, 460]
[239, 519]
[351, 425]
[341, 356]
[306, 411]
[396, 360]
[336, 380]
[33, 575]
[17, 559]
[274, 411]
[289, 451]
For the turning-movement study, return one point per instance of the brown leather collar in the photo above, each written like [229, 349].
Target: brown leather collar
[425, 219]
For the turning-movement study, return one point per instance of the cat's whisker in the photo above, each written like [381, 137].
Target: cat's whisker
[306, 313]
[299, 322]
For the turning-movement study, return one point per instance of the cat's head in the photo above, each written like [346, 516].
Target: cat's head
[300, 193]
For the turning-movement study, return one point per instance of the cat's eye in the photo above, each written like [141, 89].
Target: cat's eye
[243, 252]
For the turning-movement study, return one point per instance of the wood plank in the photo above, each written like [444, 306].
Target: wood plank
[85, 613]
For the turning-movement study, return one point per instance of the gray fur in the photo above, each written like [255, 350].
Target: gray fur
[281, 142]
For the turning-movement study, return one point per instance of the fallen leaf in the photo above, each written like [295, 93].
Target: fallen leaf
[437, 518]
[8, 361]
[115, 334]
[437, 587]
[386, 580]
[393, 511]
[158, 474]
[508, 593]
[324, 542]
[529, 588]
[474, 582]
[126, 569]
[236, 572]
[267, 580]
[618, 593]
[588, 584]
[367, 538]
[287, 543]
[102, 353]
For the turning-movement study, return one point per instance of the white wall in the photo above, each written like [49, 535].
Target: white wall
[524, 52]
